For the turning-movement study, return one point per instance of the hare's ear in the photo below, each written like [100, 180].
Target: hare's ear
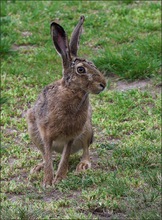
[74, 42]
[61, 43]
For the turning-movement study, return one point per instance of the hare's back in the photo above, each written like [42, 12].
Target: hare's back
[47, 99]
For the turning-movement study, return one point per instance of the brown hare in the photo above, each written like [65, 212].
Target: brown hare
[60, 120]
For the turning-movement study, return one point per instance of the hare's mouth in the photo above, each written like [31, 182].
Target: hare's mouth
[99, 89]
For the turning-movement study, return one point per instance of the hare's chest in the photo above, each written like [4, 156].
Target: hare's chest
[74, 124]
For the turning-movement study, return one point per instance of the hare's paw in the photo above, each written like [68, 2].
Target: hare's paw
[83, 165]
[37, 168]
[58, 178]
[47, 181]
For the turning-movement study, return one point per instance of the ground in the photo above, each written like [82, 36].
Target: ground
[71, 198]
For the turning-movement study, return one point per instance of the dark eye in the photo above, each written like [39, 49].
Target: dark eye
[81, 69]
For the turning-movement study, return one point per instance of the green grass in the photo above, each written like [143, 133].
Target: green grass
[125, 179]
[135, 60]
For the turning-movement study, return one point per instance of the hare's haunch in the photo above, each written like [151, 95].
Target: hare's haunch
[60, 120]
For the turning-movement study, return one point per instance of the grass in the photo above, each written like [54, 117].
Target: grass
[130, 61]
[125, 179]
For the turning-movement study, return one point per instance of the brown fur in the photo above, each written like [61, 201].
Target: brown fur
[61, 117]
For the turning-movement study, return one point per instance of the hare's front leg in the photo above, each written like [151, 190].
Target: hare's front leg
[85, 161]
[63, 165]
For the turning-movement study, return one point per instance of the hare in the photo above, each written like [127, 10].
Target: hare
[61, 117]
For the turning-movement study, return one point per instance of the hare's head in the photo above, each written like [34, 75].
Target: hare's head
[78, 73]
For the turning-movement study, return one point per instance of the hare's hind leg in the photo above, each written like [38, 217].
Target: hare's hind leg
[35, 137]
[85, 163]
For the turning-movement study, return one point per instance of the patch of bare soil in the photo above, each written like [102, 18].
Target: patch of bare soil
[124, 86]
[143, 85]
[26, 34]
[14, 197]
[22, 47]
[104, 214]
[52, 196]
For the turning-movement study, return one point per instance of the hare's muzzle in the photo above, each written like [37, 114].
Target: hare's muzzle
[102, 86]
[99, 88]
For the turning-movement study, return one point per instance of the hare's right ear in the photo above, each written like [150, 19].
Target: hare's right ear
[74, 42]
[61, 43]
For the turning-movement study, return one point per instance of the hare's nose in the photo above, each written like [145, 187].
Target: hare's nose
[102, 86]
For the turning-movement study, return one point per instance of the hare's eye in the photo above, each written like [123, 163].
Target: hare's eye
[81, 69]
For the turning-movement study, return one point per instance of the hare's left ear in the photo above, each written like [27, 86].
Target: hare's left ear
[74, 42]
[60, 41]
